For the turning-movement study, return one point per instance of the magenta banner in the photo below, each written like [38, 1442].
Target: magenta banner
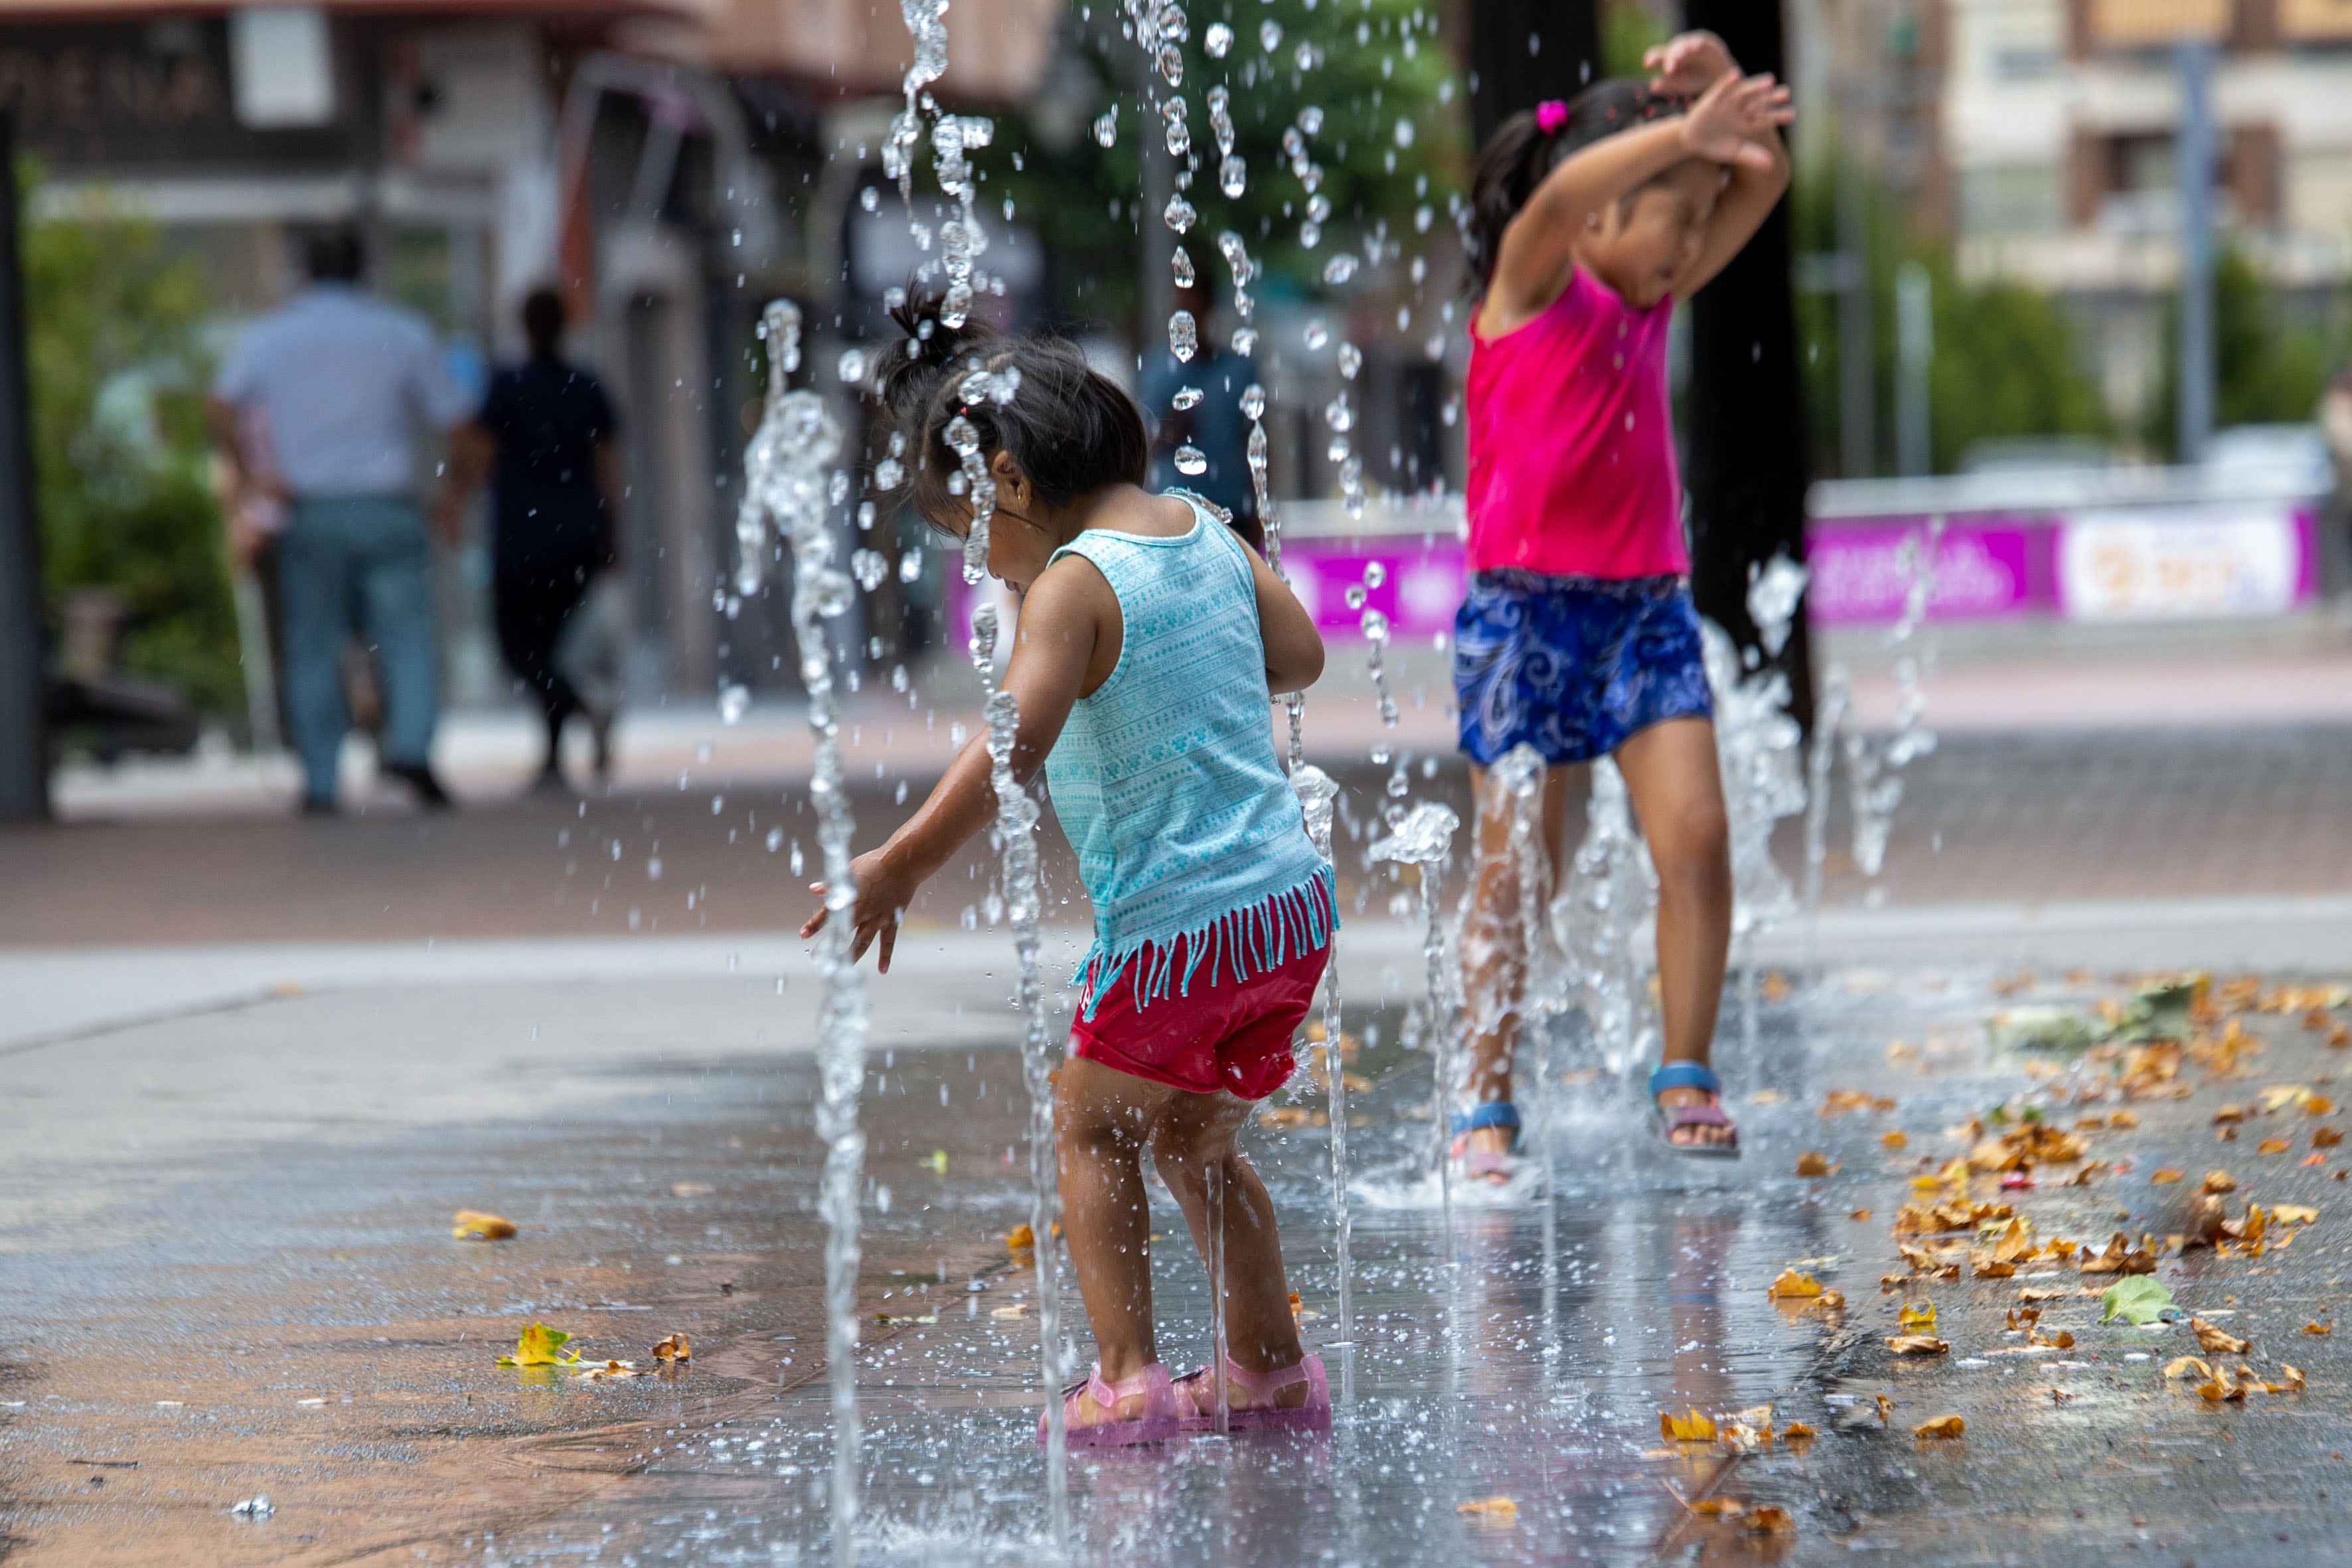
[1418, 585]
[1987, 568]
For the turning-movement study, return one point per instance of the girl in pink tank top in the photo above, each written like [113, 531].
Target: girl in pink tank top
[1589, 220]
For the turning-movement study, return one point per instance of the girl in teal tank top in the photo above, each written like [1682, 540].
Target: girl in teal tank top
[1149, 641]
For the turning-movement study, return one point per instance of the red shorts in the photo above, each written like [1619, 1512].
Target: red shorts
[1216, 1034]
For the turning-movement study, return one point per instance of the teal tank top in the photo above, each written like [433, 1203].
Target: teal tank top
[1165, 778]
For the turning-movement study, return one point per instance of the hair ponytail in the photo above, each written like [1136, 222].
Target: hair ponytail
[1068, 427]
[1531, 143]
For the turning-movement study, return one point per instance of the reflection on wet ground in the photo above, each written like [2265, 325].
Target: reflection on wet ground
[1505, 1404]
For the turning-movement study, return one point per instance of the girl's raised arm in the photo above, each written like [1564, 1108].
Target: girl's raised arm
[1538, 249]
[1738, 124]
[1062, 618]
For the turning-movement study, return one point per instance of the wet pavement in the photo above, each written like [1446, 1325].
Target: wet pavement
[193, 1253]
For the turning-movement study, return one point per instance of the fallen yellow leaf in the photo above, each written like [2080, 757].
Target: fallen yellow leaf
[1797, 1431]
[1916, 1345]
[1020, 1239]
[475, 1225]
[1691, 1429]
[2293, 1214]
[1813, 1163]
[1767, 1519]
[2273, 1145]
[2183, 1365]
[540, 1345]
[2316, 1327]
[2168, 1174]
[2218, 1342]
[1895, 1140]
[1792, 1285]
[1718, 1508]
[1918, 1318]
[1941, 1426]
[1859, 1214]
[1491, 1509]
[2219, 1181]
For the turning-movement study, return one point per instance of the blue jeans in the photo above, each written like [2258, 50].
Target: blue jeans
[360, 559]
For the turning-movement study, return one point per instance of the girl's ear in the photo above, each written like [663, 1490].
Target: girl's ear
[1010, 479]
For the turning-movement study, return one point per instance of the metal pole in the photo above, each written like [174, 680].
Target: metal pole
[1857, 370]
[2195, 154]
[24, 737]
[1915, 352]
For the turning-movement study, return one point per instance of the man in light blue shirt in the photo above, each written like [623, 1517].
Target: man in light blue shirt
[344, 384]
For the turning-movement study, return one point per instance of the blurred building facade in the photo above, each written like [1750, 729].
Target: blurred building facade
[2056, 123]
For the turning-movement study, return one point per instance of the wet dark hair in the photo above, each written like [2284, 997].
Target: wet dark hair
[1068, 426]
[1521, 153]
[336, 254]
[543, 317]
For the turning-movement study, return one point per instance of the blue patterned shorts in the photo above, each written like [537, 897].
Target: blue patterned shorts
[1574, 666]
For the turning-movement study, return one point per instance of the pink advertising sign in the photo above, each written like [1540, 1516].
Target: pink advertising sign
[1987, 568]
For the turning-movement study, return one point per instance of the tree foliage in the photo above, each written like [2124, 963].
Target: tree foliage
[117, 371]
[1390, 144]
[2268, 367]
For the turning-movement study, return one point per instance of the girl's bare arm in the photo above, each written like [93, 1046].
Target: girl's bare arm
[1755, 183]
[1538, 249]
[1062, 618]
[1294, 648]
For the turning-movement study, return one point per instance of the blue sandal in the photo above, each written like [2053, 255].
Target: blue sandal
[1486, 1161]
[1669, 1120]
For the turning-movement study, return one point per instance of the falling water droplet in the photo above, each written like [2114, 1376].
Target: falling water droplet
[1245, 340]
[799, 863]
[1310, 233]
[869, 567]
[1269, 34]
[1316, 334]
[1183, 335]
[1310, 119]
[1181, 267]
[1351, 360]
[870, 199]
[1340, 267]
[1306, 58]
[1404, 132]
[1233, 175]
[1253, 401]
[1179, 213]
[734, 702]
[1185, 397]
[911, 566]
[1105, 128]
[775, 839]
[1192, 462]
[1374, 574]
[852, 366]
[653, 870]
[1354, 595]
[1220, 40]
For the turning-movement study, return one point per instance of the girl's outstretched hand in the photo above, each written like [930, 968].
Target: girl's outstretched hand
[1687, 64]
[883, 892]
[1731, 121]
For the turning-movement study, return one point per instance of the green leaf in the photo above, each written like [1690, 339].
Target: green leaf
[2138, 1299]
[540, 1345]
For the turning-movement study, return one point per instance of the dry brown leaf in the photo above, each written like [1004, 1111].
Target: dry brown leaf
[2182, 1367]
[1839, 1101]
[2216, 1341]
[1718, 1508]
[2273, 1145]
[1885, 1408]
[1991, 1267]
[1916, 1345]
[2228, 1114]
[2041, 1293]
[1797, 1431]
[2294, 1376]
[2167, 1173]
[674, 1348]
[1859, 1214]
[2341, 1037]
[1941, 1426]
[2316, 1327]
[1767, 1519]
[1831, 1302]
[2219, 1181]
[2293, 1214]
[1813, 1163]
[2062, 1340]
[473, 1224]
[2326, 1137]
[2123, 1119]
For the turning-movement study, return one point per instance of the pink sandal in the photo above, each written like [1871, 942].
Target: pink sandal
[1199, 1399]
[1158, 1423]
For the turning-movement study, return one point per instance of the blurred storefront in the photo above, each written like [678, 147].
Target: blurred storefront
[673, 164]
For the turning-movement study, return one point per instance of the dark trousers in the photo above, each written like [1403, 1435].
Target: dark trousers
[532, 601]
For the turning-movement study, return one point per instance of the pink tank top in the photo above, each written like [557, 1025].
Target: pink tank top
[1571, 444]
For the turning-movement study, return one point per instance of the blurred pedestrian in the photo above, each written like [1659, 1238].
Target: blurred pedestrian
[1211, 424]
[544, 435]
[1590, 220]
[345, 383]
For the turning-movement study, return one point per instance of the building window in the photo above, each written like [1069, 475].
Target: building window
[2009, 198]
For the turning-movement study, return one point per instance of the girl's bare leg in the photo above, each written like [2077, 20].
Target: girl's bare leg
[1677, 789]
[1494, 956]
[1192, 1132]
[1102, 1119]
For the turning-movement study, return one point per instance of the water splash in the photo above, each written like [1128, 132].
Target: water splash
[1612, 892]
[1423, 838]
[1828, 718]
[1374, 625]
[962, 237]
[1873, 775]
[785, 485]
[1317, 796]
[927, 24]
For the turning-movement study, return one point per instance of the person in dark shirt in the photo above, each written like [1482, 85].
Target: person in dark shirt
[544, 435]
[1214, 425]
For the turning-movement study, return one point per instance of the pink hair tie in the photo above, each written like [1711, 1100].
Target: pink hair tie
[1551, 115]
